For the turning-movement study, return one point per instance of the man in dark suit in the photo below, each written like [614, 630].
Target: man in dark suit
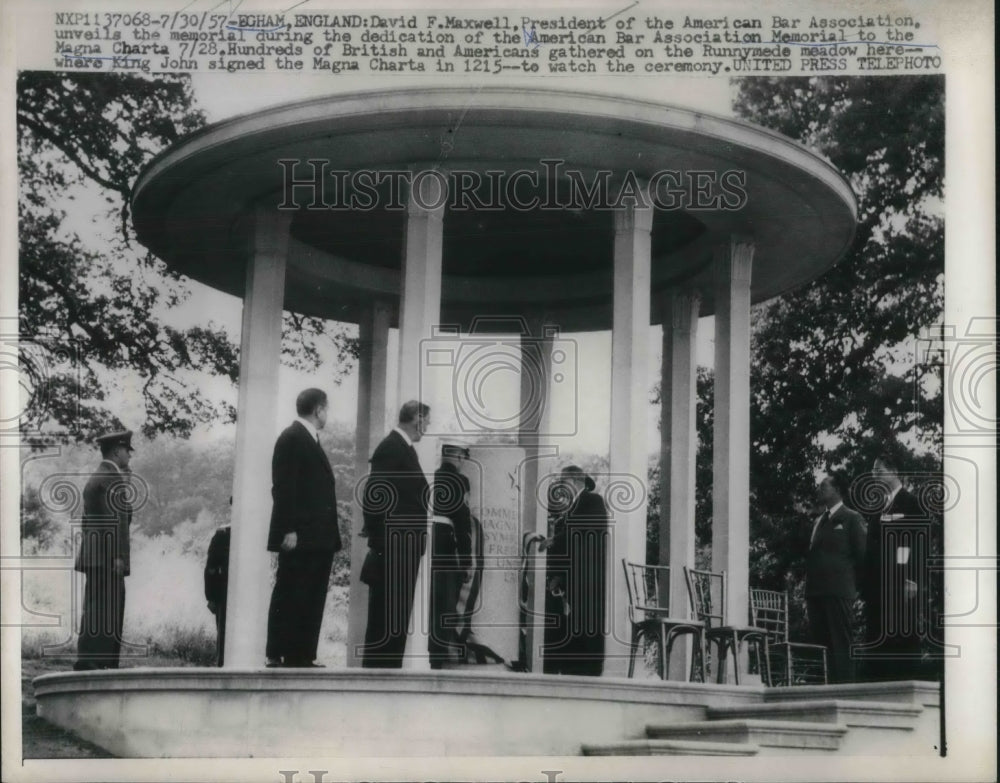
[575, 576]
[395, 506]
[303, 532]
[836, 554]
[217, 586]
[896, 579]
[451, 551]
[103, 555]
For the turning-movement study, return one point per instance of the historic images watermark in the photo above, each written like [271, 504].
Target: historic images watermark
[312, 184]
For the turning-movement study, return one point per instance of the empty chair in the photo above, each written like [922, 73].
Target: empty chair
[726, 636]
[790, 663]
[649, 614]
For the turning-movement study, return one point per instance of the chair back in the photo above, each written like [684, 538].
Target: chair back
[706, 591]
[769, 610]
[648, 589]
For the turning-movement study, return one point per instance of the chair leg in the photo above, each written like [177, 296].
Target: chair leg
[665, 644]
[697, 656]
[703, 653]
[633, 648]
[722, 652]
[765, 662]
[736, 658]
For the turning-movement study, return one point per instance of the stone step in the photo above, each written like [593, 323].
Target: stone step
[918, 692]
[664, 747]
[847, 712]
[768, 735]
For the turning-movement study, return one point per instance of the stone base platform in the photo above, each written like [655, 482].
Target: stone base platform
[190, 712]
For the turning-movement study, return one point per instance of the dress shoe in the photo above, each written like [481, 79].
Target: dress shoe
[305, 665]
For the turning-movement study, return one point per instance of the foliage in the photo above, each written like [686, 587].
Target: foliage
[833, 376]
[100, 298]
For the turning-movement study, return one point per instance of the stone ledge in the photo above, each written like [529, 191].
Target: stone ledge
[845, 711]
[925, 694]
[772, 733]
[458, 682]
[671, 748]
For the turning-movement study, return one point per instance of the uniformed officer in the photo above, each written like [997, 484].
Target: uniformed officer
[103, 554]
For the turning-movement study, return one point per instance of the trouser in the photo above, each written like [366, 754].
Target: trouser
[831, 623]
[390, 599]
[446, 582]
[573, 643]
[892, 651]
[100, 642]
[220, 633]
[297, 603]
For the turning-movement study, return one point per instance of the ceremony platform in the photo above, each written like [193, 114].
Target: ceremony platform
[252, 713]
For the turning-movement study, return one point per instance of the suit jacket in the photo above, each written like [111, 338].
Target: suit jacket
[107, 515]
[906, 511]
[304, 493]
[836, 555]
[578, 549]
[217, 566]
[396, 491]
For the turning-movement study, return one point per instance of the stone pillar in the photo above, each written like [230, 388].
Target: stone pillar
[260, 352]
[678, 452]
[420, 297]
[731, 435]
[420, 313]
[534, 438]
[373, 338]
[629, 417]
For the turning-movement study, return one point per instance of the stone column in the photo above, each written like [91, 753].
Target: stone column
[731, 435]
[629, 418]
[420, 297]
[260, 352]
[373, 338]
[678, 451]
[534, 438]
[420, 313]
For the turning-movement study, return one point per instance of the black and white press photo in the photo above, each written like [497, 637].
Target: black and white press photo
[497, 393]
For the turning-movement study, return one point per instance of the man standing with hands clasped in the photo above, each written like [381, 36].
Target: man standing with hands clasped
[395, 504]
[304, 533]
[104, 554]
[836, 554]
[896, 579]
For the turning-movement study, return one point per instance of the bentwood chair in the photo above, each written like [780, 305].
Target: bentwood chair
[727, 637]
[649, 613]
[790, 663]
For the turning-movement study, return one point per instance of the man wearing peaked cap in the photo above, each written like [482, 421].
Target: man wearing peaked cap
[103, 555]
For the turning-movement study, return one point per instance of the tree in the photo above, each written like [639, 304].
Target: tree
[105, 300]
[834, 370]
[833, 376]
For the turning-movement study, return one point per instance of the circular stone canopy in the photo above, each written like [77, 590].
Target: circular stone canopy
[191, 202]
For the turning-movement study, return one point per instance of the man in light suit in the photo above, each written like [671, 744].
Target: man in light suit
[896, 580]
[304, 533]
[103, 555]
[836, 554]
[395, 506]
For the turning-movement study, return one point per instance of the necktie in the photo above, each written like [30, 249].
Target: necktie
[822, 521]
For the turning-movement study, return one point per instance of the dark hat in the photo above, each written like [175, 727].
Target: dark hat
[576, 472]
[454, 450]
[118, 438]
[447, 472]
